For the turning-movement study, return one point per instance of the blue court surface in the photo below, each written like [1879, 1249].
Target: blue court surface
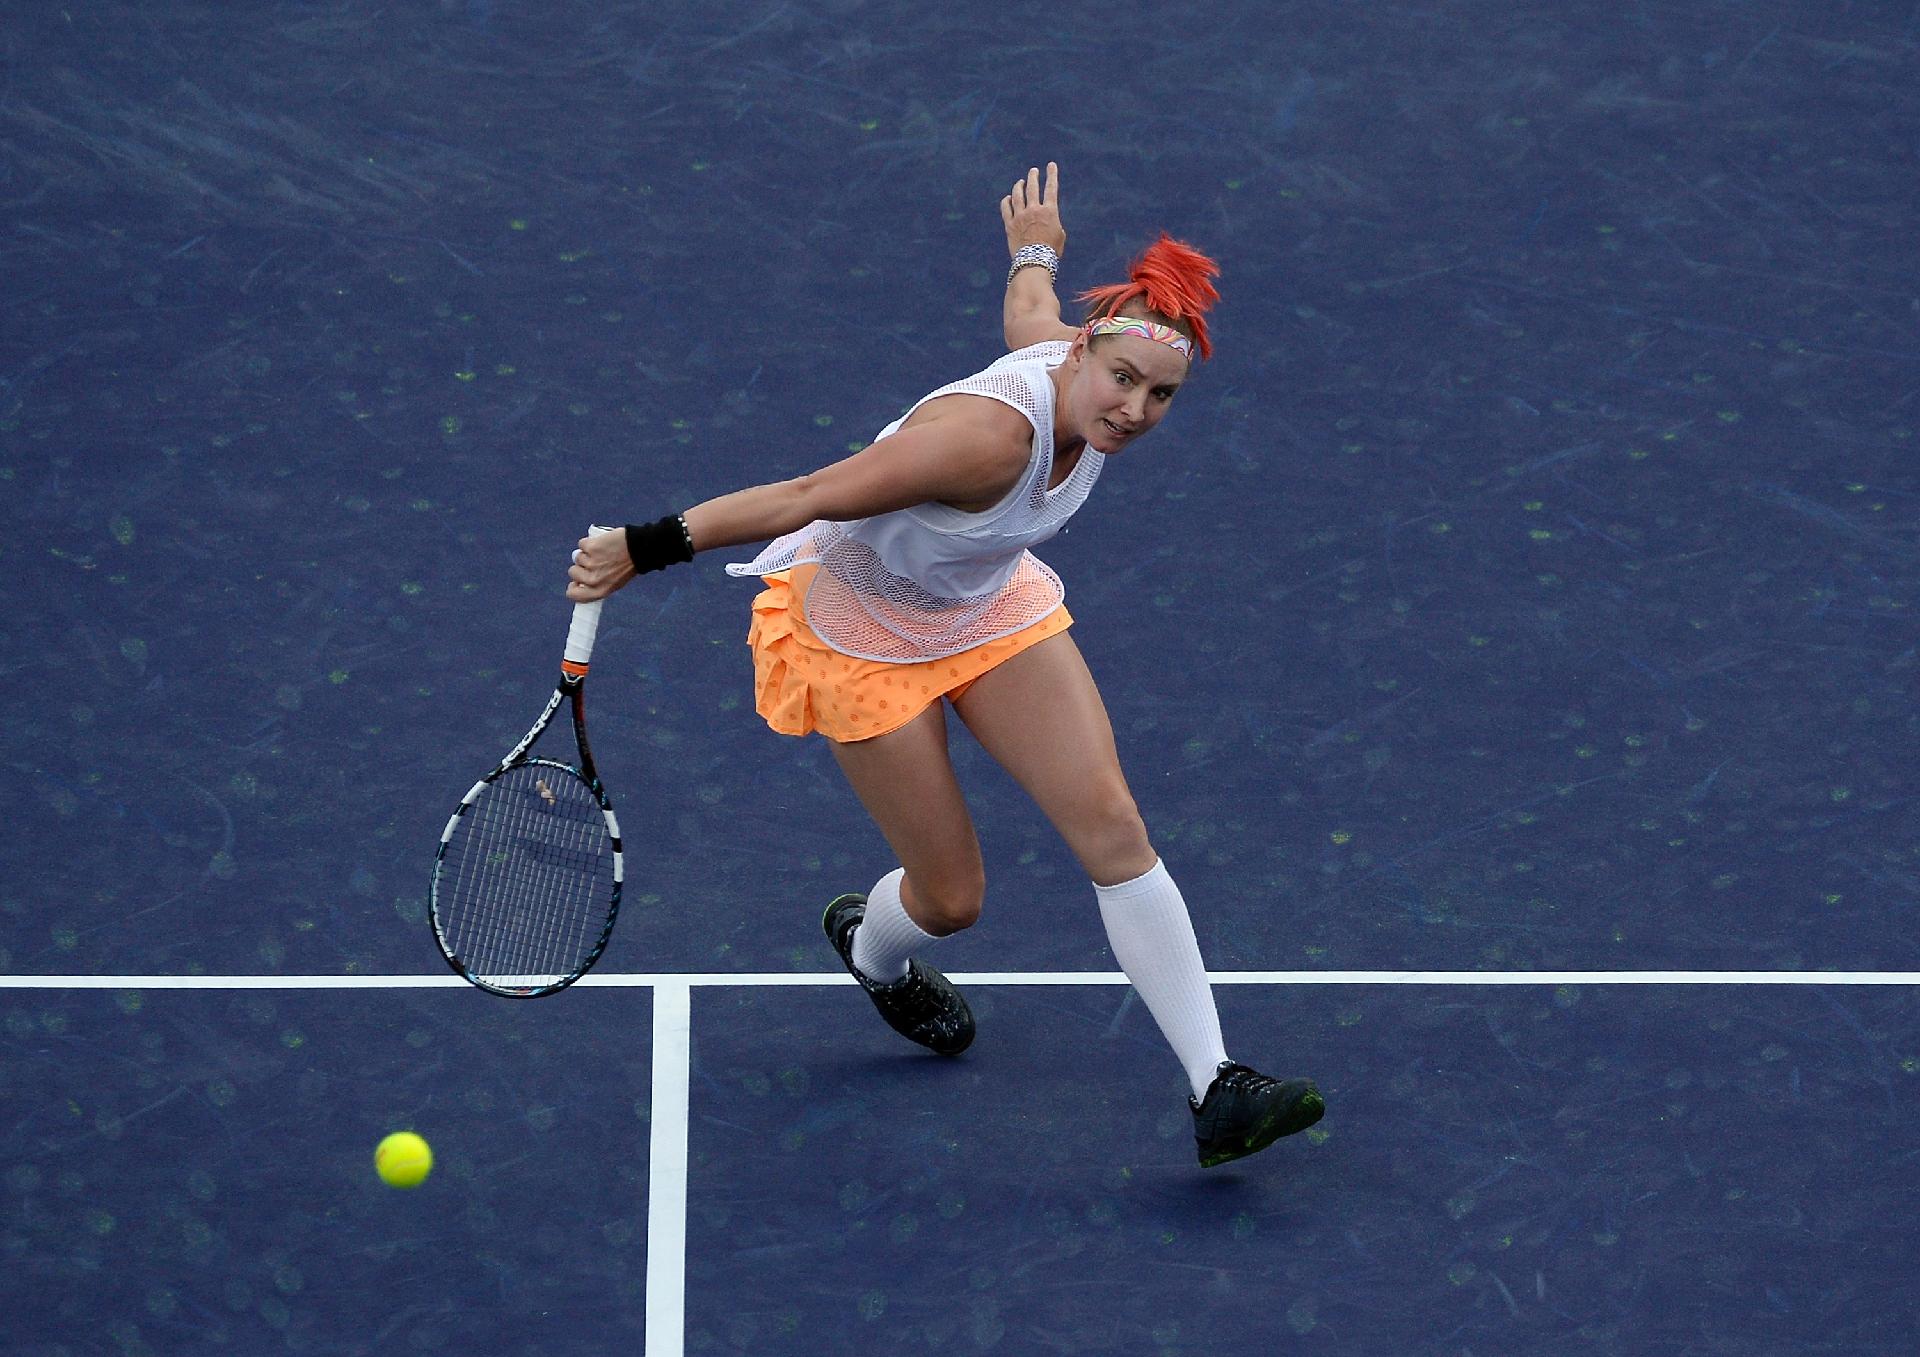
[1511, 637]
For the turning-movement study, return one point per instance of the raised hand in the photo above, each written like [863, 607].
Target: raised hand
[1031, 211]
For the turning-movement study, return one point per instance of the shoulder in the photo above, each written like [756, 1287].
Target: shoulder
[957, 449]
[986, 431]
[968, 413]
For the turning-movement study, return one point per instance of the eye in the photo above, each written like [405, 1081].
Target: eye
[1121, 377]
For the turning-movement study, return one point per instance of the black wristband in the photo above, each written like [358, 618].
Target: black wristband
[657, 545]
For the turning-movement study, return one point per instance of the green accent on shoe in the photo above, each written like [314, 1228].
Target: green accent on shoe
[1245, 1111]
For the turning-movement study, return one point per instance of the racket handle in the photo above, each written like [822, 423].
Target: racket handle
[585, 625]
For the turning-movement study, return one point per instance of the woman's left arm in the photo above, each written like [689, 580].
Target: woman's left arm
[1031, 214]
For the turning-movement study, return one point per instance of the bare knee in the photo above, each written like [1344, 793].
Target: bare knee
[946, 901]
[1110, 838]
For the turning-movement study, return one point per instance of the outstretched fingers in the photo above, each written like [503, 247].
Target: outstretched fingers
[1031, 210]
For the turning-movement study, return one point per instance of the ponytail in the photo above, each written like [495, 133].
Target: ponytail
[1175, 280]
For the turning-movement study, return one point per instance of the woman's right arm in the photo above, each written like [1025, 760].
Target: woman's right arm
[971, 453]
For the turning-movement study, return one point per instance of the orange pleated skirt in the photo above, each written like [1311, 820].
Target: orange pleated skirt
[802, 685]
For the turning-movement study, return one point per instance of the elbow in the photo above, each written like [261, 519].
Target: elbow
[802, 500]
[1033, 326]
[1017, 326]
[759, 514]
[832, 496]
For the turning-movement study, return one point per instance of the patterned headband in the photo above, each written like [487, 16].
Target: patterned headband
[1145, 329]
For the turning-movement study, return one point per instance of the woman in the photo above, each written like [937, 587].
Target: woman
[900, 578]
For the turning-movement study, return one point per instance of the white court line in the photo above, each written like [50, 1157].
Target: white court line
[670, 1109]
[667, 1171]
[805, 979]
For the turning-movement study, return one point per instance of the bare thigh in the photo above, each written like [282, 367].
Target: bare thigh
[905, 780]
[1041, 717]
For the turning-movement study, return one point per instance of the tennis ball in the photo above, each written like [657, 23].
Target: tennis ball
[403, 1159]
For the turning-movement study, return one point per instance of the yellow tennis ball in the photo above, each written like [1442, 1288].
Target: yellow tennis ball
[403, 1159]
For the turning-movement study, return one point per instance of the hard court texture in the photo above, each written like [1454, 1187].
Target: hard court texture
[1528, 584]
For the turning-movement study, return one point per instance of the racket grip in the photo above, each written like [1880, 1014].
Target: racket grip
[585, 625]
[580, 634]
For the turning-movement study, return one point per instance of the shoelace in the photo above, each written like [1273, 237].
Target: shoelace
[1240, 1079]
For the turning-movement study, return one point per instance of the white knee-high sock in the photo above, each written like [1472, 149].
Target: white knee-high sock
[886, 938]
[1152, 938]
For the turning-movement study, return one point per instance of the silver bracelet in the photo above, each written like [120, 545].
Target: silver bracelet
[1043, 255]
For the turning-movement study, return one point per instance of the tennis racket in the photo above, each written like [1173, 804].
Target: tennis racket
[526, 882]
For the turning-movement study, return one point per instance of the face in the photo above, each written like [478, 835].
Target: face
[1120, 389]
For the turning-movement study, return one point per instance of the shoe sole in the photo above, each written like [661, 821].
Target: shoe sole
[1287, 1121]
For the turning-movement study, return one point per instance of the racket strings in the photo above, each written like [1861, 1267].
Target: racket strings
[533, 880]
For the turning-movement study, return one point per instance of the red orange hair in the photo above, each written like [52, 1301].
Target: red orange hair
[1176, 281]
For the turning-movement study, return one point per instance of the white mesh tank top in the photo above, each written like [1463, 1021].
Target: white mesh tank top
[931, 581]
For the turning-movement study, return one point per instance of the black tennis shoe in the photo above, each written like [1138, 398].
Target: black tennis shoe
[1245, 1111]
[923, 1006]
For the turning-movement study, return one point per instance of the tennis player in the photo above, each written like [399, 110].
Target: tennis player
[899, 582]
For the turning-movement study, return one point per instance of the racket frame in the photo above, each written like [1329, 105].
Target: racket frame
[570, 690]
